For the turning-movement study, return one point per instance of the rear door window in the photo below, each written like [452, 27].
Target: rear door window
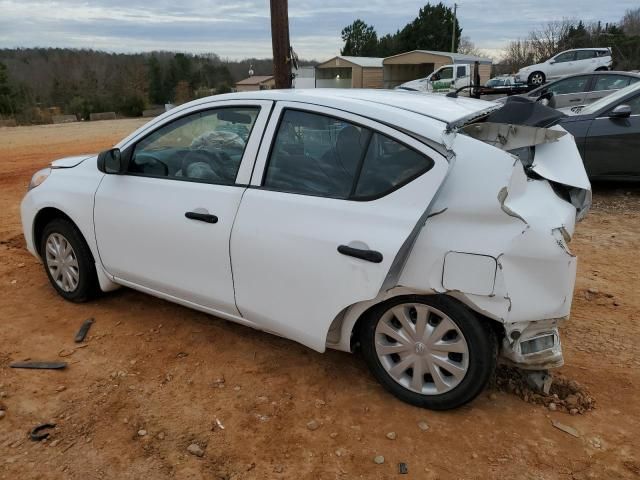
[585, 54]
[316, 154]
[611, 82]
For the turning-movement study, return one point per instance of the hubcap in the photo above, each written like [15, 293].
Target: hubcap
[421, 348]
[62, 262]
[536, 79]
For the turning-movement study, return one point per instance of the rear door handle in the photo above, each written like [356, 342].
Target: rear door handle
[202, 217]
[368, 255]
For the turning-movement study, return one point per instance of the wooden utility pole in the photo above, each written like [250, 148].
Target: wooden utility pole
[280, 43]
[453, 34]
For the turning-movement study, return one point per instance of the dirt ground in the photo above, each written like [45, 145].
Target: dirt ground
[182, 376]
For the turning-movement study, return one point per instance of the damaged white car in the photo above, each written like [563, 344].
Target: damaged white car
[412, 226]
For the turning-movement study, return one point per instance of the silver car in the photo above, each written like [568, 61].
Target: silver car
[583, 89]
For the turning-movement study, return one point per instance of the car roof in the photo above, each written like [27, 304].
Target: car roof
[433, 105]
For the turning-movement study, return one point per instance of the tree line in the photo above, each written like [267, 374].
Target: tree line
[79, 82]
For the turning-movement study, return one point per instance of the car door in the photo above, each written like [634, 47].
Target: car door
[612, 144]
[164, 225]
[569, 91]
[562, 64]
[607, 83]
[585, 61]
[333, 199]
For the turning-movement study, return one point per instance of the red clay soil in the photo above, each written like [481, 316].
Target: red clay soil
[155, 377]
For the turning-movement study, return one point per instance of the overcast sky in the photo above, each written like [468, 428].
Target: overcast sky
[241, 29]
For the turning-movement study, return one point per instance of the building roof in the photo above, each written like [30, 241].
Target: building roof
[455, 57]
[359, 61]
[255, 80]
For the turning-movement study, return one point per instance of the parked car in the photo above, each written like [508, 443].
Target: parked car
[607, 133]
[579, 60]
[582, 89]
[336, 219]
[501, 81]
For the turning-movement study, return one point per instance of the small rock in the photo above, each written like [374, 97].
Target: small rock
[262, 399]
[379, 459]
[3, 394]
[278, 469]
[61, 388]
[424, 426]
[142, 433]
[573, 411]
[571, 400]
[474, 455]
[340, 452]
[132, 362]
[194, 449]
[593, 290]
[161, 436]
[333, 434]
[320, 403]
[54, 443]
[13, 282]
[391, 435]
[125, 420]
[493, 397]
[2, 413]
[552, 406]
[237, 388]
[20, 265]
[313, 425]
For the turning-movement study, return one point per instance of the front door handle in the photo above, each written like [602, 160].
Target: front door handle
[202, 217]
[368, 255]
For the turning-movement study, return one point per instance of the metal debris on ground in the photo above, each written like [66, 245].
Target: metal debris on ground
[84, 329]
[37, 434]
[39, 365]
[403, 469]
[565, 428]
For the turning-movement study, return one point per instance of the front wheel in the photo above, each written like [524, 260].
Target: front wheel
[429, 351]
[536, 79]
[68, 261]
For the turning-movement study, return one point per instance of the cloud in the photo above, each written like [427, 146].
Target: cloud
[242, 29]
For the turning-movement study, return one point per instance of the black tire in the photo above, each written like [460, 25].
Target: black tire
[87, 284]
[482, 352]
[536, 79]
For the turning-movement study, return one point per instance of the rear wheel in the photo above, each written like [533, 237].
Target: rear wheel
[68, 261]
[429, 351]
[536, 79]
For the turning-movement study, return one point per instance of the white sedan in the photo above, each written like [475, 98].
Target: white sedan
[395, 222]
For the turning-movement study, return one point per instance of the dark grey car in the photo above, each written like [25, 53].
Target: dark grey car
[584, 88]
[607, 133]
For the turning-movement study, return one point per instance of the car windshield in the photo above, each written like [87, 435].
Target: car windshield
[609, 99]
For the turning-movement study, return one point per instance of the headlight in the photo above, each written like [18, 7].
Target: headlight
[39, 177]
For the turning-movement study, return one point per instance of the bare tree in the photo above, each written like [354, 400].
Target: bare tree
[518, 54]
[548, 41]
[630, 23]
[467, 47]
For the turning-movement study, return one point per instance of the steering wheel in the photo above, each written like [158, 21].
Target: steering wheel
[208, 157]
[150, 160]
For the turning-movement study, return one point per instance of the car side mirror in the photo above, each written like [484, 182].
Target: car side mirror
[621, 111]
[551, 62]
[110, 161]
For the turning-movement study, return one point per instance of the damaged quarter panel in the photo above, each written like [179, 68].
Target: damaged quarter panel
[491, 208]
